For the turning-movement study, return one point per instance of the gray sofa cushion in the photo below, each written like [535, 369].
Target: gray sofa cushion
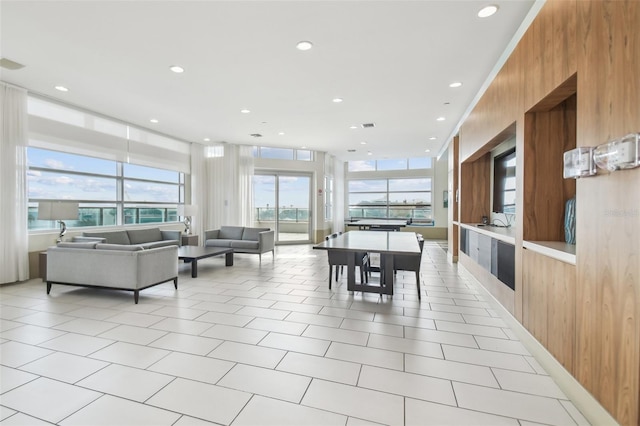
[219, 243]
[111, 237]
[139, 236]
[231, 232]
[120, 247]
[253, 234]
[78, 245]
[245, 244]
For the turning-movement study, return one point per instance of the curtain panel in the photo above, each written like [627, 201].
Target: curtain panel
[14, 244]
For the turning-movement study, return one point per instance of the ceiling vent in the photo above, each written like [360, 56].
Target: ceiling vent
[256, 135]
[351, 150]
[9, 64]
[368, 125]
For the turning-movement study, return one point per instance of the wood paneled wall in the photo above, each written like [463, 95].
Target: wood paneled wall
[608, 209]
[550, 287]
[474, 190]
[548, 134]
[599, 42]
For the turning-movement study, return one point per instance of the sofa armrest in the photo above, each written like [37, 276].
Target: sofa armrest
[172, 236]
[157, 264]
[266, 240]
[211, 234]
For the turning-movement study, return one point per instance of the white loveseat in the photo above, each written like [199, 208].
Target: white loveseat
[115, 266]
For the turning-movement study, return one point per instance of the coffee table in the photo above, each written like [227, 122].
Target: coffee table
[194, 253]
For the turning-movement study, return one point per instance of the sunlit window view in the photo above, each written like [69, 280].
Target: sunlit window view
[394, 198]
[408, 198]
[108, 192]
[281, 202]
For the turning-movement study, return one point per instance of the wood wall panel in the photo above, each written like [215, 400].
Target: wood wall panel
[548, 134]
[608, 212]
[474, 190]
[497, 109]
[599, 42]
[549, 303]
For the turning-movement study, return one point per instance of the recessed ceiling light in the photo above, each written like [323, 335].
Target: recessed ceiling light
[154, 120]
[363, 143]
[62, 88]
[369, 153]
[245, 111]
[176, 68]
[432, 138]
[427, 150]
[353, 127]
[455, 84]
[281, 133]
[337, 100]
[206, 139]
[304, 45]
[303, 147]
[440, 119]
[487, 11]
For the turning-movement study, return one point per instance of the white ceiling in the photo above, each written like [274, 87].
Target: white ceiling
[391, 61]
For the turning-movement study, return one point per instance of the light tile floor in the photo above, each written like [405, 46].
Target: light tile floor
[270, 344]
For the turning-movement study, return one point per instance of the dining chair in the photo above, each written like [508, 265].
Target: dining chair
[410, 263]
[339, 259]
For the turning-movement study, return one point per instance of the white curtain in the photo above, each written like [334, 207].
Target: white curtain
[14, 244]
[229, 187]
[199, 193]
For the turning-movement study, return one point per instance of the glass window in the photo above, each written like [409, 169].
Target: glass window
[368, 185]
[45, 159]
[420, 163]
[149, 173]
[408, 198]
[94, 184]
[303, 155]
[397, 164]
[52, 185]
[362, 166]
[276, 153]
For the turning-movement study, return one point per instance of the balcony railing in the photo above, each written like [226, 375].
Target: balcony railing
[285, 214]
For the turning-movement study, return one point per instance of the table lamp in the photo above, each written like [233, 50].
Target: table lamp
[60, 211]
[187, 211]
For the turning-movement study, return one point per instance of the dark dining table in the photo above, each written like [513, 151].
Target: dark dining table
[387, 243]
[379, 224]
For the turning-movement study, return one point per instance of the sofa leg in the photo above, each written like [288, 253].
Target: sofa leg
[136, 293]
[175, 282]
[330, 272]
[48, 287]
[418, 284]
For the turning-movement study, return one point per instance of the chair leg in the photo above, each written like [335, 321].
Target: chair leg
[330, 272]
[418, 284]
[337, 269]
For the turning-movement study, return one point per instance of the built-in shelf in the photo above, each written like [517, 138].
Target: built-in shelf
[555, 249]
[508, 235]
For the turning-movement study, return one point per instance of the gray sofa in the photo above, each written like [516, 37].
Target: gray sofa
[242, 239]
[146, 238]
[116, 266]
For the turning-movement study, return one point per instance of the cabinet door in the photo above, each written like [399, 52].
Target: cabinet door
[484, 251]
[463, 241]
[506, 264]
[472, 240]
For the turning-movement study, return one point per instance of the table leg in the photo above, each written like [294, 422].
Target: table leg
[351, 271]
[194, 268]
[387, 288]
[228, 259]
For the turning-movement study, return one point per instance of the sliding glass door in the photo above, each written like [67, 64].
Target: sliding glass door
[283, 202]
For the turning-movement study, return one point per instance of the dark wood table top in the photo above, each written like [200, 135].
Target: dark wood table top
[198, 252]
